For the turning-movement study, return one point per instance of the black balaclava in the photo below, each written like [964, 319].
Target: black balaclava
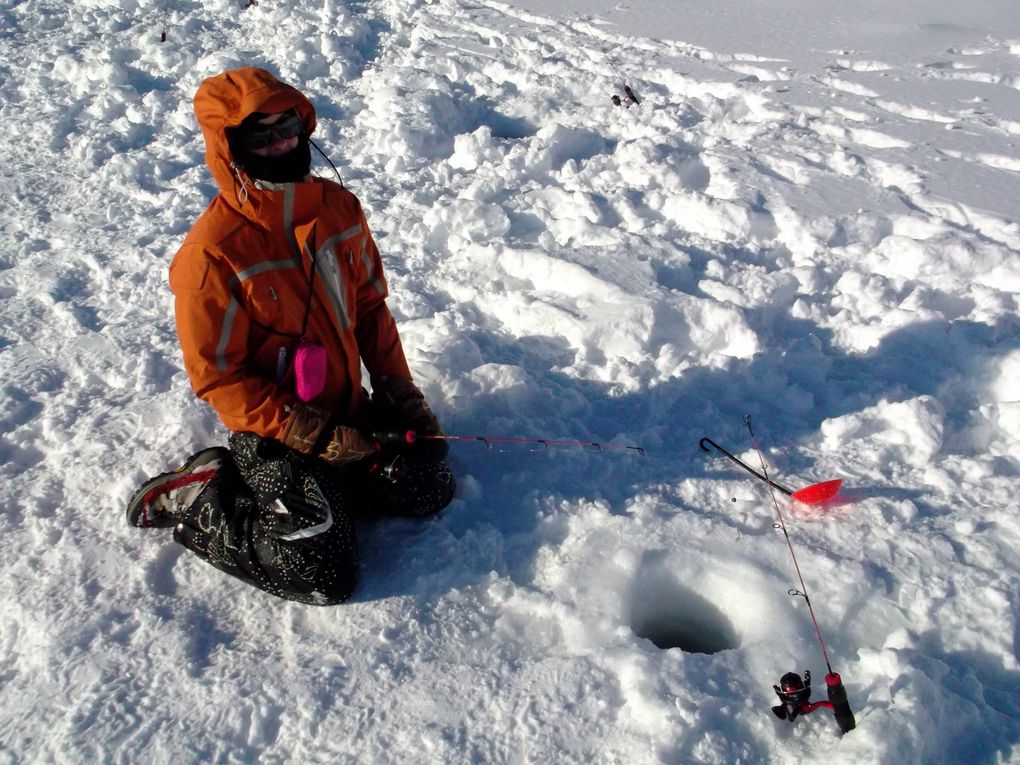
[285, 168]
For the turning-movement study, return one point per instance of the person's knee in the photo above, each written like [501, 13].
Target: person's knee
[332, 584]
[437, 495]
[426, 489]
[340, 586]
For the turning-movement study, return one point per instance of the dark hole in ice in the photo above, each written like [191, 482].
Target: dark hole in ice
[674, 616]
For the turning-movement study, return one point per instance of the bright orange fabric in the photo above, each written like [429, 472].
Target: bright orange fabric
[241, 278]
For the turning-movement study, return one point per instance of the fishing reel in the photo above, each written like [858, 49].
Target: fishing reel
[794, 694]
[389, 468]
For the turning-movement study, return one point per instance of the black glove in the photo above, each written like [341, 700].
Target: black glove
[400, 405]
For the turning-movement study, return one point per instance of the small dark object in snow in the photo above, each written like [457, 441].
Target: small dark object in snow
[631, 98]
[795, 694]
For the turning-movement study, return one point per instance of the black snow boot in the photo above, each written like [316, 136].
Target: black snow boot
[162, 501]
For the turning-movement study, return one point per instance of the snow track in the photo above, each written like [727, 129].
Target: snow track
[829, 242]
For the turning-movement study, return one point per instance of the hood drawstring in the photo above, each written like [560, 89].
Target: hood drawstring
[242, 197]
[325, 157]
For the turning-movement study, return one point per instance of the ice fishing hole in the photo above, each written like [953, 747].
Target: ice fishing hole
[672, 615]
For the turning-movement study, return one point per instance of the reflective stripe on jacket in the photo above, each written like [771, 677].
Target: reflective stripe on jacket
[242, 279]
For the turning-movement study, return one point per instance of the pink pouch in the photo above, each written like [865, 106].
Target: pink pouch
[309, 370]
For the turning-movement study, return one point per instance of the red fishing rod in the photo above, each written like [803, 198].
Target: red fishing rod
[795, 693]
[411, 436]
[392, 468]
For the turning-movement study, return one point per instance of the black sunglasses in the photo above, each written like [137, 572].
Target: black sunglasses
[259, 136]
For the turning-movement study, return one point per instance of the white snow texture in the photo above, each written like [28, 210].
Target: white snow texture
[810, 218]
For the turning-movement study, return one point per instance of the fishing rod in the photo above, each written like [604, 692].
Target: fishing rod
[411, 436]
[627, 91]
[166, 11]
[794, 692]
[626, 88]
[392, 467]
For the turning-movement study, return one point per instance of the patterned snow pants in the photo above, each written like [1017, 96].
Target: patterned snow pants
[284, 522]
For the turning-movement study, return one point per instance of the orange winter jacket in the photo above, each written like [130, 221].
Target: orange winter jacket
[241, 280]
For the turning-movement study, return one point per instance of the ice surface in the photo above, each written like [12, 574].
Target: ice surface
[810, 217]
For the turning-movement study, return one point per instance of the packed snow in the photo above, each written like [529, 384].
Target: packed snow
[809, 218]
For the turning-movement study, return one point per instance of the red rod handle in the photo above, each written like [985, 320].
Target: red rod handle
[395, 436]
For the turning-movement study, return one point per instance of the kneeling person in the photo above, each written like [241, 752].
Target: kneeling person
[279, 299]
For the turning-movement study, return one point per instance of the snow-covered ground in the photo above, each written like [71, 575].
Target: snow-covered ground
[811, 217]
